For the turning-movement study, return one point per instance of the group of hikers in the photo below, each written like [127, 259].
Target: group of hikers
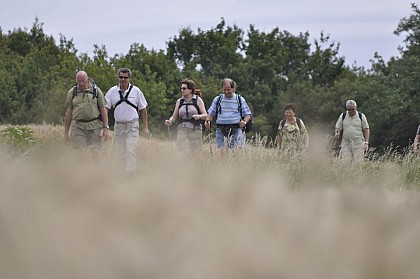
[87, 115]
[87, 123]
[230, 110]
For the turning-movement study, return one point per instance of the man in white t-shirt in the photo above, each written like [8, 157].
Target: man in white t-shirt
[128, 102]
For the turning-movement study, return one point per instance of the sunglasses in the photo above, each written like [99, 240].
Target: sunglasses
[123, 77]
[350, 109]
[183, 88]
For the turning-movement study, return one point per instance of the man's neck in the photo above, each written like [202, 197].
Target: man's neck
[229, 96]
[124, 87]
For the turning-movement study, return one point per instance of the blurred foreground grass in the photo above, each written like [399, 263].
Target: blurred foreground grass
[250, 214]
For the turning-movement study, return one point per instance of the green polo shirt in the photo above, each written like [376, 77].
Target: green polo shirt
[85, 107]
[353, 129]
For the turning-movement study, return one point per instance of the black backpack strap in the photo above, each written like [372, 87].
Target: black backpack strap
[181, 103]
[219, 105]
[121, 99]
[299, 123]
[240, 105]
[194, 103]
[343, 115]
[94, 90]
[282, 122]
[74, 91]
[125, 99]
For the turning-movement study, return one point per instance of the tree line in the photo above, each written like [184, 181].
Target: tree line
[270, 68]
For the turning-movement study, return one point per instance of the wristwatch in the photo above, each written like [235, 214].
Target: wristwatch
[105, 127]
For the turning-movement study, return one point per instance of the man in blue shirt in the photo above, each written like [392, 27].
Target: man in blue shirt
[232, 113]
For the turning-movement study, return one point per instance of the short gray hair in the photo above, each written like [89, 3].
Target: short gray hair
[229, 81]
[351, 104]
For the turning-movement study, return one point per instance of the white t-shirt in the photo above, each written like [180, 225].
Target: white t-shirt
[124, 112]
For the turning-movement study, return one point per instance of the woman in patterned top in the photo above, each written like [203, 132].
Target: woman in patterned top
[292, 136]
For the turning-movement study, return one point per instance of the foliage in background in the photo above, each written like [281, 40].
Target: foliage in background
[271, 68]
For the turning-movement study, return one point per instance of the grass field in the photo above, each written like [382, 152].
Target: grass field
[250, 214]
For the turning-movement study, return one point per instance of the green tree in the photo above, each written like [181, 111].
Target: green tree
[395, 100]
[274, 61]
[324, 65]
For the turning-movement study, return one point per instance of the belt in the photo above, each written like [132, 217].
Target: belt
[232, 126]
[125, 123]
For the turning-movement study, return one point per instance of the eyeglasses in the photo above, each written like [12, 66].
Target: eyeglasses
[183, 88]
[123, 77]
[350, 109]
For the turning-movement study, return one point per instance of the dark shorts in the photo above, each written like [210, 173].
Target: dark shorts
[227, 129]
[230, 136]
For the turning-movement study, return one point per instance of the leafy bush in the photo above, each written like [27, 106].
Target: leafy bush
[17, 138]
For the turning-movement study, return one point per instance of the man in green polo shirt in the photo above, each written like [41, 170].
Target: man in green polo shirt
[354, 128]
[84, 103]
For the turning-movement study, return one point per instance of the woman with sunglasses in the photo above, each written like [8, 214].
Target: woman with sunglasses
[189, 110]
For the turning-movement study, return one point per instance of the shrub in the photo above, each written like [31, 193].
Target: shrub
[18, 139]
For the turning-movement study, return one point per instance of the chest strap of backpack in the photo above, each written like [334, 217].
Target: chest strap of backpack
[219, 105]
[95, 96]
[125, 99]
[94, 91]
[343, 115]
[298, 122]
[194, 103]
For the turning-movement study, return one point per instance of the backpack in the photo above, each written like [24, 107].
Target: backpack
[249, 124]
[95, 96]
[197, 92]
[298, 122]
[343, 115]
[94, 90]
[194, 103]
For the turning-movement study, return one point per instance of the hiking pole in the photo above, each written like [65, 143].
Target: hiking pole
[209, 137]
[170, 136]
[211, 149]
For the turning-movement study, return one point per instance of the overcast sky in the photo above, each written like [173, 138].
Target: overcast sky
[362, 27]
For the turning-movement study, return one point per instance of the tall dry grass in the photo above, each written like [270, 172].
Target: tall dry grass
[250, 214]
